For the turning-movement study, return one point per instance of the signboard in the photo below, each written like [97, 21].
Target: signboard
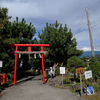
[88, 74]
[80, 70]
[0, 63]
[62, 70]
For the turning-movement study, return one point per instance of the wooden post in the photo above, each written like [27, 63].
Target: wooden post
[81, 85]
[62, 79]
[90, 33]
[91, 81]
[86, 85]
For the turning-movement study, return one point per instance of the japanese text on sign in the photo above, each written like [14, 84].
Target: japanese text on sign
[88, 74]
[80, 70]
[62, 70]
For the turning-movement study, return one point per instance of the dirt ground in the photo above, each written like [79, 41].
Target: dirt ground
[56, 82]
[32, 84]
[32, 88]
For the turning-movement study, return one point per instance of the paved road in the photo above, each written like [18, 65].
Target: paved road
[34, 89]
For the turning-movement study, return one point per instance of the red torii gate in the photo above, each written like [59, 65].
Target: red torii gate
[29, 52]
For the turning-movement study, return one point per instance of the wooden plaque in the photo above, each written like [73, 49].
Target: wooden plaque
[80, 70]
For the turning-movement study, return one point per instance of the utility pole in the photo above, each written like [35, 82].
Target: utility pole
[90, 32]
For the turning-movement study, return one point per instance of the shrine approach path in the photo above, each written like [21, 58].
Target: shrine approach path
[33, 89]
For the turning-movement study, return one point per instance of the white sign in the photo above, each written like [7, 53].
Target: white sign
[0, 63]
[88, 74]
[62, 70]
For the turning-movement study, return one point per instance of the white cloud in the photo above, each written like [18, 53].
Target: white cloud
[70, 12]
[89, 48]
[86, 48]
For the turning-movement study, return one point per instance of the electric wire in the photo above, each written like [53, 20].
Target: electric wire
[80, 22]
[80, 31]
[81, 18]
[87, 28]
[93, 5]
[95, 25]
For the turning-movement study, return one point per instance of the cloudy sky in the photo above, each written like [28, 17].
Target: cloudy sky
[70, 12]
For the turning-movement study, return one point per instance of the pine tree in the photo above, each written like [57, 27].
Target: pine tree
[14, 33]
[62, 43]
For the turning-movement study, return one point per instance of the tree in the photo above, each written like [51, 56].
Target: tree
[84, 59]
[15, 33]
[62, 43]
[3, 17]
[74, 62]
[3, 24]
[99, 59]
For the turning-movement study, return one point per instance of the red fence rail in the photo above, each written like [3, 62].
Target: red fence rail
[2, 78]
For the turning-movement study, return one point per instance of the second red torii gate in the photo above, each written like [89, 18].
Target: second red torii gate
[29, 52]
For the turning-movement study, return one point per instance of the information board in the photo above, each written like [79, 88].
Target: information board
[88, 74]
[62, 70]
[0, 63]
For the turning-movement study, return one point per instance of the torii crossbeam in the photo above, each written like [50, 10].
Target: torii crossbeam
[29, 52]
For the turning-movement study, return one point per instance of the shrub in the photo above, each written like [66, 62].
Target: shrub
[96, 88]
[64, 81]
[71, 85]
[67, 80]
[57, 71]
[72, 70]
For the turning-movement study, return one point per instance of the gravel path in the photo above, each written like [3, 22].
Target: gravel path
[34, 89]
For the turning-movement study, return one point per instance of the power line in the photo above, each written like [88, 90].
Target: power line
[87, 29]
[81, 31]
[81, 18]
[93, 5]
[95, 25]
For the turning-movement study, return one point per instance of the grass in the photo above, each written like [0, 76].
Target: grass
[77, 83]
[93, 97]
[70, 85]
[65, 85]
[96, 98]
[59, 87]
[73, 91]
[96, 88]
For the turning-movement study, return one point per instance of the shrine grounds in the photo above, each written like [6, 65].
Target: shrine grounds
[32, 88]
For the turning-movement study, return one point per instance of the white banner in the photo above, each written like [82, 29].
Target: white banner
[88, 74]
[62, 70]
